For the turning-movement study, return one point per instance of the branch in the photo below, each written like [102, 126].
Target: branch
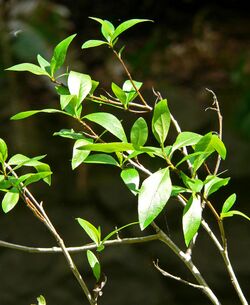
[220, 118]
[177, 278]
[54, 250]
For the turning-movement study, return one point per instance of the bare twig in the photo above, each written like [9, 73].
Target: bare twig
[177, 278]
[220, 118]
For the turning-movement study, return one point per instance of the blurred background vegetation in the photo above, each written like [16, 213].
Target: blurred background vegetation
[190, 46]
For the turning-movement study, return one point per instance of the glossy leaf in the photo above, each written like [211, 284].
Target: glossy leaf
[213, 183]
[107, 29]
[94, 264]
[109, 122]
[219, 146]
[119, 93]
[126, 25]
[4, 183]
[228, 203]
[192, 157]
[153, 196]
[130, 91]
[93, 43]
[139, 132]
[176, 190]
[59, 54]
[3, 151]
[101, 159]
[65, 100]
[26, 114]
[27, 67]
[185, 138]
[91, 230]
[191, 219]
[79, 155]
[69, 133]
[79, 84]
[41, 300]
[161, 121]
[108, 147]
[10, 199]
[131, 178]
[31, 178]
[232, 213]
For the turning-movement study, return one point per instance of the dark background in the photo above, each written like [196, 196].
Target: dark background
[190, 46]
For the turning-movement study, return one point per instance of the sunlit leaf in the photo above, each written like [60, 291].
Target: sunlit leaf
[194, 184]
[69, 133]
[94, 264]
[131, 178]
[41, 300]
[79, 84]
[161, 121]
[118, 230]
[213, 183]
[93, 43]
[44, 64]
[153, 196]
[80, 155]
[3, 151]
[119, 93]
[108, 147]
[91, 230]
[27, 67]
[139, 132]
[59, 54]
[10, 199]
[109, 122]
[26, 114]
[101, 159]
[228, 203]
[130, 91]
[232, 213]
[185, 138]
[191, 219]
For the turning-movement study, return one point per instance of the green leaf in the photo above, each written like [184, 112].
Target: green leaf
[93, 43]
[185, 138]
[192, 156]
[41, 300]
[176, 190]
[94, 264]
[130, 91]
[59, 54]
[69, 133]
[219, 146]
[108, 147]
[3, 151]
[44, 64]
[4, 183]
[126, 25]
[232, 213]
[65, 100]
[154, 194]
[191, 219]
[161, 121]
[91, 230]
[228, 203]
[213, 183]
[109, 122]
[118, 92]
[101, 159]
[27, 67]
[139, 132]
[194, 184]
[26, 114]
[79, 84]
[10, 199]
[107, 27]
[31, 178]
[131, 178]
[80, 155]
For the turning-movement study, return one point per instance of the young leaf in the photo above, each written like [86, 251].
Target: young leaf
[44, 64]
[130, 91]
[176, 190]
[26, 114]
[101, 159]
[91, 230]
[118, 230]
[27, 67]
[93, 43]
[213, 183]
[119, 93]
[232, 213]
[109, 122]
[10, 199]
[126, 25]
[41, 300]
[185, 138]
[228, 203]
[153, 196]
[59, 54]
[4, 183]
[31, 178]
[191, 219]
[79, 84]
[107, 29]
[219, 146]
[94, 264]
[108, 147]
[161, 121]
[139, 133]
[65, 100]
[131, 178]
[80, 155]
[195, 185]
[3, 151]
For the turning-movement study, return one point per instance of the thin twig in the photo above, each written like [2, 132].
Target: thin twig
[177, 278]
[220, 118]
[92, 246]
